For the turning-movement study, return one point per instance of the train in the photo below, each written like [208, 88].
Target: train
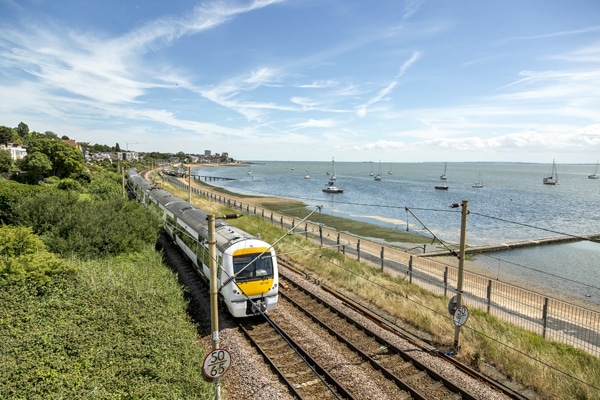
[247, 275]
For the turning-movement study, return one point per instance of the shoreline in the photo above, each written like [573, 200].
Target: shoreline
[469, 265]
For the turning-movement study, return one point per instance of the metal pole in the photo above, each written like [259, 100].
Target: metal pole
[461, 262]
[190, 184]
[214, 310]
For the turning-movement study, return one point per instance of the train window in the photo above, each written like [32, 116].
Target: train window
[253, 266]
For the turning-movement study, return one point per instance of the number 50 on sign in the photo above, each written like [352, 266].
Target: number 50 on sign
[216, 363]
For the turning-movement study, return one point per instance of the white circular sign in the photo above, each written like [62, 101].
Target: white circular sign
[216, 363]
[461, 315]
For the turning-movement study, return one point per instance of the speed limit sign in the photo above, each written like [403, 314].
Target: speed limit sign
[216, 363]
[461, 315]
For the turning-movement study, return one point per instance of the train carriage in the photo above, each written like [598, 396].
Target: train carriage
[247, 275]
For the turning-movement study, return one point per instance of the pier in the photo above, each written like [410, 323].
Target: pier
[517, 245]
[211, 178]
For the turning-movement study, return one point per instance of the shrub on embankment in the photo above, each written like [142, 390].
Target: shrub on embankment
[116, 328]
[108, 323]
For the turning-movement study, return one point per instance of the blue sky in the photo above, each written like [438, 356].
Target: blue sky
[390, 80]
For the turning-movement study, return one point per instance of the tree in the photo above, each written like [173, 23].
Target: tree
[50, 135]
[23, 130]
[65, 160]
[117, 148]
[37, 164]
[182, 156]
[64, 137]
[5, 161]
[5, 135]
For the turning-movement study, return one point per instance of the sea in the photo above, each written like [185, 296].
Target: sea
[513, 205]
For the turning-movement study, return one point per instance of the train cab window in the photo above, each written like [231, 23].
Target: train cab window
[261, 267]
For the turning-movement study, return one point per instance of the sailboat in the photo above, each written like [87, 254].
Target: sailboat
[479, 183]
[378, 177]
[553, 178]
[443, 176]
[333, 177]
[307, 176]
[371, 173]
[595, 174]
[390, 171]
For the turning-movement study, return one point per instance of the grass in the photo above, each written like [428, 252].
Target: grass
[552, 370]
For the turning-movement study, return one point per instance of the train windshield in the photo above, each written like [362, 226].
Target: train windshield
[253, 266]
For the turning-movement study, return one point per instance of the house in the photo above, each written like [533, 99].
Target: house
[16, 151]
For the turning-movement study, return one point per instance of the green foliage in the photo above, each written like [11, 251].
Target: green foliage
[106, 186]
[18, 241]
[52, 181]
[11, 194]
[5, 135]
[115, 331]
[36, 164]
[69, 184]
[88, 229]
[5, 161]
[23, 130]
[64, 159]
[23, 257]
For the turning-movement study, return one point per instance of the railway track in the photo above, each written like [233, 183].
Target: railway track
[396, 372]
[305, 377]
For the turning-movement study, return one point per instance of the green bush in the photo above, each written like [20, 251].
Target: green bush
[23, 258]
[69, 184]
[52, 180]
[11, 195]
[87, 228]
[118, 329]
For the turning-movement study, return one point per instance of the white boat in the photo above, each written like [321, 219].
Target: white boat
[331, 188]
[441, 186]
[443, 176]
[371, 173]
[553, 178]
[378, 177]
[307, 176]
[479, 183]
[595, 174]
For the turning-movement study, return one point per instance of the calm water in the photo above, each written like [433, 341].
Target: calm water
[513, 205]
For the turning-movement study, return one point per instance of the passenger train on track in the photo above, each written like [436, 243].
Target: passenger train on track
[247, 275]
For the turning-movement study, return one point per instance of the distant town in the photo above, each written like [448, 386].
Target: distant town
[18, 152]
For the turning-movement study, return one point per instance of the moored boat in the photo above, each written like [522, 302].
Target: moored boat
[553, 178]
[331, 188]
[595, 174]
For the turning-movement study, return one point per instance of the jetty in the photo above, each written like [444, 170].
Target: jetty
[516, 245]
[211, 178]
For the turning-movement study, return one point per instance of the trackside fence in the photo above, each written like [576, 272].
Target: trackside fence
[550, 318]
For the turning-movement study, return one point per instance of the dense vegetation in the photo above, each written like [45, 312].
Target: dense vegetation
[87, 308]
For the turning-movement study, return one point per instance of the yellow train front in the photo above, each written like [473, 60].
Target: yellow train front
[247, 275]
[248, 278]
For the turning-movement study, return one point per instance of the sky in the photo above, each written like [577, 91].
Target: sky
[389, 80]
